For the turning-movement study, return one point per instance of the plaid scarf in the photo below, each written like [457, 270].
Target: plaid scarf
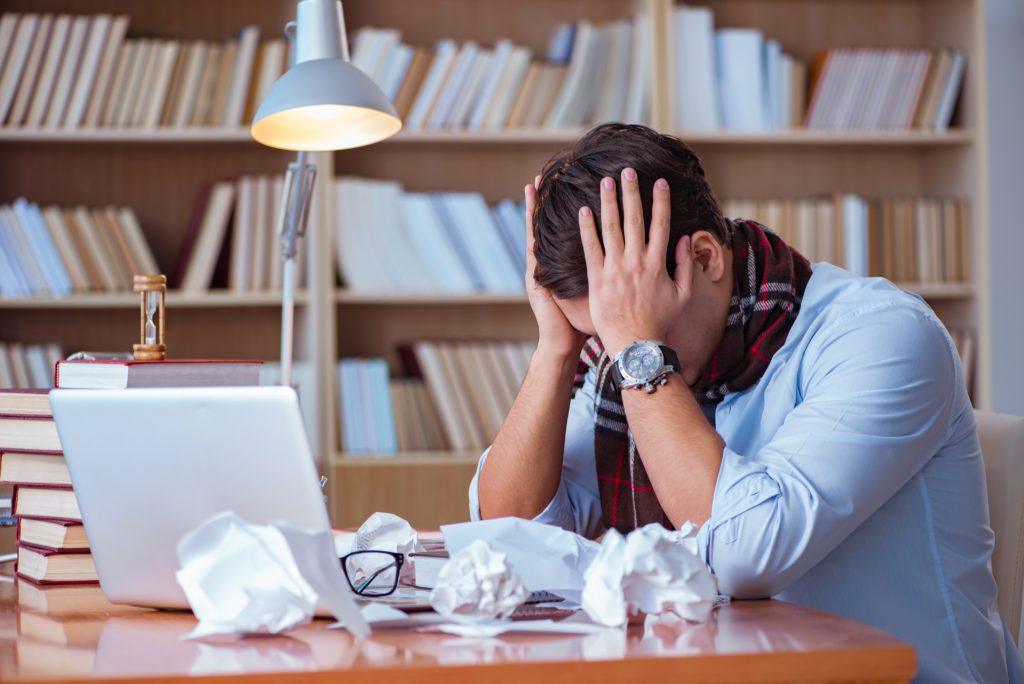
[769, 279]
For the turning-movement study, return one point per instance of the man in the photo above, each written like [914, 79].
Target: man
[814, 424]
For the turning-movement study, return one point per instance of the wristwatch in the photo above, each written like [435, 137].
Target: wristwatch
[644, 364]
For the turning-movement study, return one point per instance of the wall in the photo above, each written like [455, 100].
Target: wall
[1005, 29]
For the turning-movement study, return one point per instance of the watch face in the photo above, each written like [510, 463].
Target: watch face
[642, 360]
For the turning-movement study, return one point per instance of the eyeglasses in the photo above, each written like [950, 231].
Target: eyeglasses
[372, 573]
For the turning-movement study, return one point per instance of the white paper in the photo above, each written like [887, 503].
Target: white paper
[493, 628]
[477, 581]
[545, 557]
[261, 579]
[651, 570]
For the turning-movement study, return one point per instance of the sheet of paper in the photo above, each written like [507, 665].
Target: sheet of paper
[545, 557]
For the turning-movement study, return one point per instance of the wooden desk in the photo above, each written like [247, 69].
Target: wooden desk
[751, 641]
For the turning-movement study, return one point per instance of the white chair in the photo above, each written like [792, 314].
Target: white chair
[1002, 448]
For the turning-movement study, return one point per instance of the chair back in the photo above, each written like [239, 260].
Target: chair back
[1002, 448]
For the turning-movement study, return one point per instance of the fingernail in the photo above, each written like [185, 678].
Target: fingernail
[608, 184]
[629, 174]
[584, 211]
[661, 184]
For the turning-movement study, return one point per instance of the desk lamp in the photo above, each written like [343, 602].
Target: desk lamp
[321, 103]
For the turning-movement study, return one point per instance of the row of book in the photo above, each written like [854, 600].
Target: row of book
[232, 239]
[28, 366]
[888, 90]
[390, 240]
[919, 239]
[71, 71]
[731, 79]
[60, 251]
[453, 395]
[53, 547]
[592, 73]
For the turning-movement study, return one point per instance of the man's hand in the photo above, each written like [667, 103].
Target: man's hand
[557, 337]
[631, 295]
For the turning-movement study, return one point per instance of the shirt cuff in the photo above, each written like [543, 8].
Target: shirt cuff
[742, 484]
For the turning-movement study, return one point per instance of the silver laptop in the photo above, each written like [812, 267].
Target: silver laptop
[150, 465]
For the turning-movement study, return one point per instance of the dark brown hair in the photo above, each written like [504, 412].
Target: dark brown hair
[571, 179]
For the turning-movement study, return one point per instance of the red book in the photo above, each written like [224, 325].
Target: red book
[108, 374]
[29, 433]
[57, 535]
[46, 503]
[47, 566]
[34, 469]
[25, 402]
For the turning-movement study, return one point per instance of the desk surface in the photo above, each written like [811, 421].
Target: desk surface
[751, 641]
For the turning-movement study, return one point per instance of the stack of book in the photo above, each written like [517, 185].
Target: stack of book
[731, 79]
[884, 90]
[592, 73]
[65, 71]
[53, 547]
[59, 251]
[232, 239]
[388, 240]
[907, 240]
[455, 396]
[27, 366]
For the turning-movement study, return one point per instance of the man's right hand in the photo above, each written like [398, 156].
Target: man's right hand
[557, 336]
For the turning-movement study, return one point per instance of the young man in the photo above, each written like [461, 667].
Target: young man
[814, 424]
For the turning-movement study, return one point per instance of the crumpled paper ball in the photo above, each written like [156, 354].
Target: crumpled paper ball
[387, 532]
[651, 570]
[477, 582]
[242, 578]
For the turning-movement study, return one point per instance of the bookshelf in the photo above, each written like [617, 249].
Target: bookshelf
[158, 172]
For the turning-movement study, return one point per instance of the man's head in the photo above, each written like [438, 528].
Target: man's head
[571, 179]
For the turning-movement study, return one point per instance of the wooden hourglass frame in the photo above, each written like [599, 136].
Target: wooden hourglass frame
[152, 291]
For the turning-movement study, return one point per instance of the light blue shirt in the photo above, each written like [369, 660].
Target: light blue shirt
[852, 481]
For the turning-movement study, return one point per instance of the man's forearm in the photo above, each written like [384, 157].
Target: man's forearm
[523, 469]
[680, 450]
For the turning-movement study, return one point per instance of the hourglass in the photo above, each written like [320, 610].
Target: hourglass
[151, 289]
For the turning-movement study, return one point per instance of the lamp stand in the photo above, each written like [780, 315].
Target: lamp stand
[298, 192]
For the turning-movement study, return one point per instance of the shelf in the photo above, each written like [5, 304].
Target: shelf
[940, 290]
[127, 300]
[432, 298]
[510, 136]
[407, 458]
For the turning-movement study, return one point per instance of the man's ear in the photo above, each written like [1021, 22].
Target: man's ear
[709, 254]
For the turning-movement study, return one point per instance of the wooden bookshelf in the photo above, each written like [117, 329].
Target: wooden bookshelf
[158, 172]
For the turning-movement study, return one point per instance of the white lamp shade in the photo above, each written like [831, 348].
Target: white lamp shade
[324, 104]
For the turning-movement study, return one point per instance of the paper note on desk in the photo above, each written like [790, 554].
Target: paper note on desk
[545, 557]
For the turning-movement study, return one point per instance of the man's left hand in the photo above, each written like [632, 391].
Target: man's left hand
[632, 296]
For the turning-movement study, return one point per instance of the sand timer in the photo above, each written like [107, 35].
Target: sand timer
[151, 289]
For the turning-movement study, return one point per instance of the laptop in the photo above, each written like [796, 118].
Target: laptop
[150, 465]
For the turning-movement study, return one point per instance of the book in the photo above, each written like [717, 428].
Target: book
[15, 63]
[27, 468]
[33, 64]
[48, 503]
[28, 433]
[239, 77]
[92, 54]
[212, 230]
[24, 402]
[55, 535]
[170, 373]
[48, 75]
[102, 86]
[46, 566]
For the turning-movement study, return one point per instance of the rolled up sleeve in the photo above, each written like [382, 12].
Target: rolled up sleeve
[875, 409]
[576, 505]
